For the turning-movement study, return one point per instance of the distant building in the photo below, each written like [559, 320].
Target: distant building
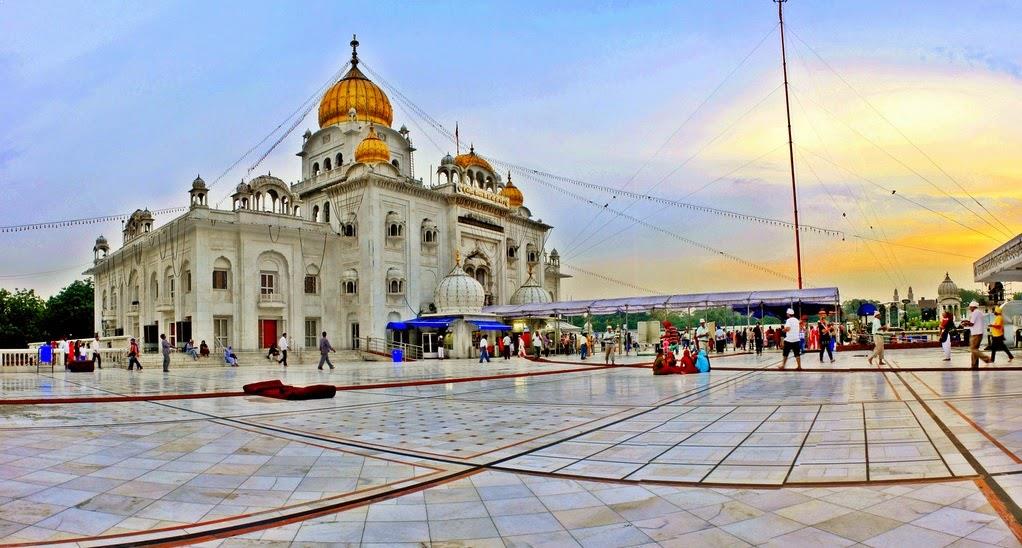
[948, 299]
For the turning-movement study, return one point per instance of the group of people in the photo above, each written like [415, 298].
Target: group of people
[76, 350]
[977, 324]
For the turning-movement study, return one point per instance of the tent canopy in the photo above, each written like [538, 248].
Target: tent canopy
[807, 299]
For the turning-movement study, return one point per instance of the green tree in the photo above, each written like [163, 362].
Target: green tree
[1017, 296]
[21, 314]
[70, 312]
[968, 295]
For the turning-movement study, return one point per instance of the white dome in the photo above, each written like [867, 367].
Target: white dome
[530, 293]
[947, 289]
[459, 293]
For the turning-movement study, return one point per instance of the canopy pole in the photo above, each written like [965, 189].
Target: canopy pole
[791, 145]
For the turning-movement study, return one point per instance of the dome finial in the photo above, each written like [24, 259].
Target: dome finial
[354, 50]
[457, 257]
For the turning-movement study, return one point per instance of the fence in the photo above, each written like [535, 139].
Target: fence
[374, 345]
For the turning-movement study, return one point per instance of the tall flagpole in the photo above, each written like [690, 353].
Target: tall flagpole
[791, 146]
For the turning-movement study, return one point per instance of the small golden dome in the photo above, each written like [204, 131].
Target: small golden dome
[355, 91]
[372, 149]
[472, 159]
[511, 192]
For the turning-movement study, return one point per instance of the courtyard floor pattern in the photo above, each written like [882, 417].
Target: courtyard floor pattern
[518, 453]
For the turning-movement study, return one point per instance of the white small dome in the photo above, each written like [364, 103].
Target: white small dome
[947, 289]
[531, 293]
[459, 293]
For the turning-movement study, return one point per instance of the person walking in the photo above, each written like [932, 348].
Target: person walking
[792, 342]
[875, 328]
[997, 336]
[947, 325]
[823, 328]
[133, 355]
[609, 346]
[324, 350]
[757, 336]
[505, 349]
[166, 348]
[977, 324]
[702, 336]
[98, 359]
[484, 349]
[282, 344]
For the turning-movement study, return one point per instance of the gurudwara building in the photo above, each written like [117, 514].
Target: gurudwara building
[356, 244]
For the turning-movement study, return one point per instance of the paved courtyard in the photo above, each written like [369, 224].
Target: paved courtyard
[519, 453]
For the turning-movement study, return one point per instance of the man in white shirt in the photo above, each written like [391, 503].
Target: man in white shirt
[282, 345]
[94, 350]
[609, 345]
[702, 337]
[875, 328]
[484, 349]
[506, 351]
[977, 324]
[791, 340]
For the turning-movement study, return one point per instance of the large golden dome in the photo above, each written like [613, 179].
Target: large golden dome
[472, 159]
[355, 91]
[372, 149]
[511, 192]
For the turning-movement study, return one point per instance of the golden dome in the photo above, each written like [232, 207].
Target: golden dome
[355, 91]
[511, 192]
[372, 149]
[472, 159]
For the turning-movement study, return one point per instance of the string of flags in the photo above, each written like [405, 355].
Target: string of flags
[83, 221]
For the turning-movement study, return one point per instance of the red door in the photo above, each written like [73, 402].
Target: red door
[267, 333]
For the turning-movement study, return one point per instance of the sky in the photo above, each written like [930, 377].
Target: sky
[112, 106]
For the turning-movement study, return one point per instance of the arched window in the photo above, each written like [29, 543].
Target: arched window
[315, 168]
[531, 254]
[326, 164]
[315, 214]
[395, 163]
[395, 282]
[326, 212]
[430, 233]
[395, 226]
[349, 226]
[104, 300]
[339, 160]
[349, 282]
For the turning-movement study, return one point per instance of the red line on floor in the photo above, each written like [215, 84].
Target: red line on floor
[998, 505]
[986, 434]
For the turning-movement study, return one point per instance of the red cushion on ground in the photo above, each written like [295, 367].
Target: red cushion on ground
[312, 392]
[82, 366]
[262, 386]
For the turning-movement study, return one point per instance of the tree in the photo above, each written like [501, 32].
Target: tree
[1017, 296]
[21, 314]
[968, 295]
[70, 312]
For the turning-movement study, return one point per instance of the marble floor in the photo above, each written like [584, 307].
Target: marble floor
[518, 453]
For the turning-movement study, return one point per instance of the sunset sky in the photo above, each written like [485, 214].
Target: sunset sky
[110, 106]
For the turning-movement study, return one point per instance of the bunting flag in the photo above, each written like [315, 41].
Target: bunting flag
[83, 221]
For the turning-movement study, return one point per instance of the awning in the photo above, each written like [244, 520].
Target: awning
[489, 325]
[421, 323]
[812, 298]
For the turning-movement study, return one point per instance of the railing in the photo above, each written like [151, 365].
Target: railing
[164, 304]
[271, 298]
[374, 345]
[132, 310]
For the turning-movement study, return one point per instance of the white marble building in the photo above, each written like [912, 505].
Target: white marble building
[356, 243]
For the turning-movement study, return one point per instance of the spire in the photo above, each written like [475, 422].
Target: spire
[354, 50]
[457, 257]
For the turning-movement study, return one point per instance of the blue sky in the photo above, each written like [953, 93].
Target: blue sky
[112, 106]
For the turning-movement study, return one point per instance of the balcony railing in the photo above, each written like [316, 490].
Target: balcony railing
[271, 300]
[164, 305]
